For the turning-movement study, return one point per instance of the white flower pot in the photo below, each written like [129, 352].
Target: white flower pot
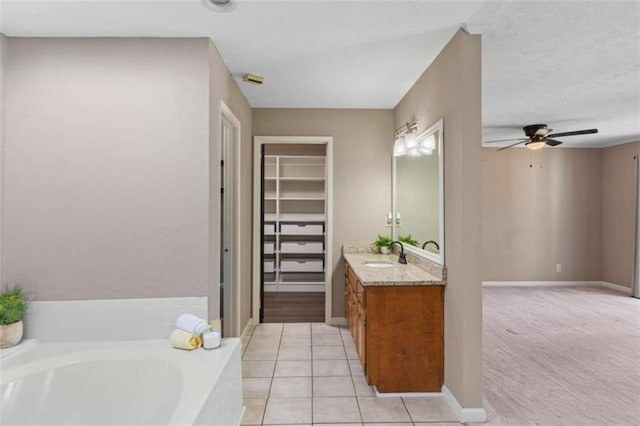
[385, 250]
[10, 335]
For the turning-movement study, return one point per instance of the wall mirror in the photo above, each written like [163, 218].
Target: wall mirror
[418, 195]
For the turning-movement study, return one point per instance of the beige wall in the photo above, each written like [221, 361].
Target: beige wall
[3, 63]
[363, 142]
[534, 218]
[618, 210]
[224, 87]
[107, 178]
[450, 89]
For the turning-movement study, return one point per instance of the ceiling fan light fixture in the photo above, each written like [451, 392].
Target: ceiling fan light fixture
[535, 145]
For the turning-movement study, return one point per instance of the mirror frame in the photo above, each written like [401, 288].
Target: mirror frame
[438, 126]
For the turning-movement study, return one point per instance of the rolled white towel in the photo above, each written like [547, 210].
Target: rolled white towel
[191, 323]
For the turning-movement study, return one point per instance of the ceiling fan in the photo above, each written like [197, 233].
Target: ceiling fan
[539, 135]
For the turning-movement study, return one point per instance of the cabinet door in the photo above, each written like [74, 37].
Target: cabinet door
[361, 340]
[346, 294]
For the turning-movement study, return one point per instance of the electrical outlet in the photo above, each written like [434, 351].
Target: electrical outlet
[559, 267]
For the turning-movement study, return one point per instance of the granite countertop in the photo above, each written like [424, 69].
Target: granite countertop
[398, 274]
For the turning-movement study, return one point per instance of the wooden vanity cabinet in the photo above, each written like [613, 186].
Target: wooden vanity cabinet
[398, 333]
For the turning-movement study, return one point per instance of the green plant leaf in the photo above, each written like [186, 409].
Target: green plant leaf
[12, 306]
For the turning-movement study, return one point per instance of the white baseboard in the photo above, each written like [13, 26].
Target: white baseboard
[336, 321]
[617, 287]
[540, 283]
[464, 415]
[604, 284]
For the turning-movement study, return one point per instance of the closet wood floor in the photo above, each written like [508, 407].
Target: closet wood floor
[280, 307]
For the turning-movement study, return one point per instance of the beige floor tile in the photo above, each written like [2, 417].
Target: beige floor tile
[340, 409]
[351, 352]
[339, 424]
[321, 328]
[290, 342]
[328, 352]
[294, 353]
[268, 342]
[293, 369]
[429, 409]
[267, 330]
[290, 387]
[361, 386]
[335, 367]
[260, 354]
[258, 368]
[254, 410]
[327, 340]
[333, 386]
[435, 424]
[388, 424]
[297, 328]
[383, 410]
[356, 367]
[257, 387]
[288, 411]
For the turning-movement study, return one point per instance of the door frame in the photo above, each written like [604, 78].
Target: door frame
[258, 142]
[230, 117]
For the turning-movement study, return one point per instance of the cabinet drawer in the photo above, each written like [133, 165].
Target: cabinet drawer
[269, 248]
[301, 247]
[301, 229]
[269, 228]
[308, 265]
[269, 267]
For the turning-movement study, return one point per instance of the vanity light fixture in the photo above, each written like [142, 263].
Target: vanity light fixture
[406, 139]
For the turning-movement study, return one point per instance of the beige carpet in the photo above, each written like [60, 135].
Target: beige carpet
[561, 356]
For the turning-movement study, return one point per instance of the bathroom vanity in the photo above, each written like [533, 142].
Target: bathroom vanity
[395, 315]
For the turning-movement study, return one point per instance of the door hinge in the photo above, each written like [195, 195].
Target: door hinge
[222, 162]
[222, 190]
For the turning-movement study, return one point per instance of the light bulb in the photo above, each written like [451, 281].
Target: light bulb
[410, 140]
[429, 142]
[399, 147]
[535, 145]
[413, 152]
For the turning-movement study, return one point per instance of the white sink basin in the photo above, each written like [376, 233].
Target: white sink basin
[378, 264]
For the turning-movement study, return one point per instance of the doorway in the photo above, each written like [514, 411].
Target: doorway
[292, 254]
[229, 222]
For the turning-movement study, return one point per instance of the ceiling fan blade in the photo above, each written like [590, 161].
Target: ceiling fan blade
[517, 143]
[574, 133]
[506, 140]
[552, 142]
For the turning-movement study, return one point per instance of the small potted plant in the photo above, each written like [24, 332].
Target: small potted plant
[409, 241]
[381, 245]
[12, 307]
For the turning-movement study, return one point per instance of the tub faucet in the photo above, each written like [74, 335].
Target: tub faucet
[403, 257]
[432, 242]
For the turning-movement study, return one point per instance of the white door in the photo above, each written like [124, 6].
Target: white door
[227, 229]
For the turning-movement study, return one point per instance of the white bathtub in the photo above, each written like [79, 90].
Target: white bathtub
[121, 383]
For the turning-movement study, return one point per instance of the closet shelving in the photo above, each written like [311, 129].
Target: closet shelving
[294, 223]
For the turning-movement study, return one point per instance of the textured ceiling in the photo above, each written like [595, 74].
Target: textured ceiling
[570, 64]
[333, 54]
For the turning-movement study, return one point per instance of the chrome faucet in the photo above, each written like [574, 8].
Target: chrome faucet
[403, 257]
[432, 242]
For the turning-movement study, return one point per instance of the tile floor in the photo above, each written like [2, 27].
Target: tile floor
[309, 373]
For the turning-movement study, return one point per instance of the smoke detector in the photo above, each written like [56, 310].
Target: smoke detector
[220, 5]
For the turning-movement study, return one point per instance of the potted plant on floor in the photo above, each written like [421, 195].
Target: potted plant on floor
[12, 307]
[381, 245]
